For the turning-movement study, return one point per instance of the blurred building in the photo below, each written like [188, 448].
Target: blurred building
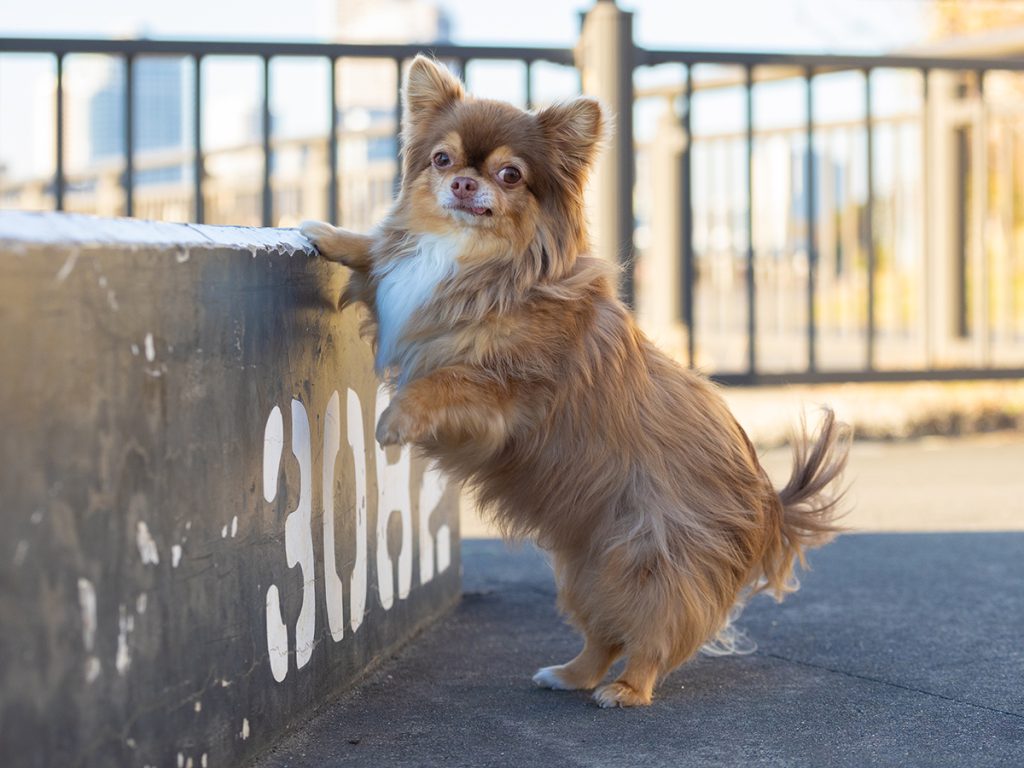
[369, 88]
[392, 21]
[160, 116]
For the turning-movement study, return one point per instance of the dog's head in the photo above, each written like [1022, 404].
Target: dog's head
[511, 179]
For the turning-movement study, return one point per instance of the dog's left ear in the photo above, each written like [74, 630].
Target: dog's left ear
[429, 87]
[576, 128]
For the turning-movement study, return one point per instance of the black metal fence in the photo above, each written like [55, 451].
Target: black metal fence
[764, 333]
[130, 51]
[969, 76]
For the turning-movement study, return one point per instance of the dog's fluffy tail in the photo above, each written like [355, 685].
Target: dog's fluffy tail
[811, 502]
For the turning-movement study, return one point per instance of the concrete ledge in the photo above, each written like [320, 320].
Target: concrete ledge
[180, 405]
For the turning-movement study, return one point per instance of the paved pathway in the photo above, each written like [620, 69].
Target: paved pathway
[899, 650]
[973, 483]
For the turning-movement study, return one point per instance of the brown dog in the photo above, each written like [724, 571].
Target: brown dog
[517, 368]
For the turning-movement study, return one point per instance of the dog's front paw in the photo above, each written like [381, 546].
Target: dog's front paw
[397, 426]
[319, 233]
[337, 244]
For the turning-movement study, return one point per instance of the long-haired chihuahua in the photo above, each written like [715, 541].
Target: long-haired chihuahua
[515, 366]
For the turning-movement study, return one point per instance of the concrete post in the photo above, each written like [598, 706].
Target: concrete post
[940, 223]
[658, 300]
[981, 236]
[604, 57]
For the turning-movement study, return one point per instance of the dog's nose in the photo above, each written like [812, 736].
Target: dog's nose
[463, 186]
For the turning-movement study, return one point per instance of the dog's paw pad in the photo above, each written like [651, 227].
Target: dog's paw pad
[547, 677]
[619, 695]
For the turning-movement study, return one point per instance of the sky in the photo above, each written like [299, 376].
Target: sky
[810, 25]
[860, 26]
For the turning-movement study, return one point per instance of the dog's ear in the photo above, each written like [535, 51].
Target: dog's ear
[577, 129]
[429, 87]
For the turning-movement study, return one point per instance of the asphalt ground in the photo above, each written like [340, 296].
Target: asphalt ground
[899, 650]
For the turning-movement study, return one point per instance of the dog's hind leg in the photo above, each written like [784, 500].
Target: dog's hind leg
[582, 673]
[634, 686]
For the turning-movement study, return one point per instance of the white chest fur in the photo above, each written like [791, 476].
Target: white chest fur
[406, 285]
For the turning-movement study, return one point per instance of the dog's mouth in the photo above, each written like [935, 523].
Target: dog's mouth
[473, 210]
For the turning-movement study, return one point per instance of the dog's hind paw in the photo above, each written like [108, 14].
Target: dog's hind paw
[619, 695]
[547, 677]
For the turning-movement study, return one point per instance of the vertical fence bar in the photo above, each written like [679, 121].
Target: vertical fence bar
[129, 135]
[751, 277]
[929, 261]
[58, 178]
[529, 84]
[332, 147]
[869, 218]
[397, 184]
[627, 164]
[1003, 278]
[982, 275]
[686, 292]
[267, 196]
[812, 255]
[197, 138]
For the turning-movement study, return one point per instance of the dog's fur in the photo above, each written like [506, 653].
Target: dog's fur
[517, 368]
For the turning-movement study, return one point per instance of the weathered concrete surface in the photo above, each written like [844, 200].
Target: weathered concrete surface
[179, 406]
[899, 650]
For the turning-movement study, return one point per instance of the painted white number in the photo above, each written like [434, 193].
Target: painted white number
[358, 446]
[298, 542]
[277, 632]
[332, 581]
[393, 496]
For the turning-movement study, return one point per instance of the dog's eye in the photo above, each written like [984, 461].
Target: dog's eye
[510, 175]
[441, 160]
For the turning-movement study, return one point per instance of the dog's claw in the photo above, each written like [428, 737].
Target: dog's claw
[619, 695]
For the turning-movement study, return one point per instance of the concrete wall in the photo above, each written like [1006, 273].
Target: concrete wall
[180, 407]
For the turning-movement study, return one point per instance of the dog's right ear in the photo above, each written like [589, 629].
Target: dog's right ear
[429, 88]
[576, 129]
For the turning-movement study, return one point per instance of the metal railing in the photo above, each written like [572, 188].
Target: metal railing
[952, 337]
[130, 50]
[940, 322]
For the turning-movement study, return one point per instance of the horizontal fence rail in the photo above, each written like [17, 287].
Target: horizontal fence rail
[885, 271]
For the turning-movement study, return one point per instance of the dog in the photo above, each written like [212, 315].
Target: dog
[516, 367]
